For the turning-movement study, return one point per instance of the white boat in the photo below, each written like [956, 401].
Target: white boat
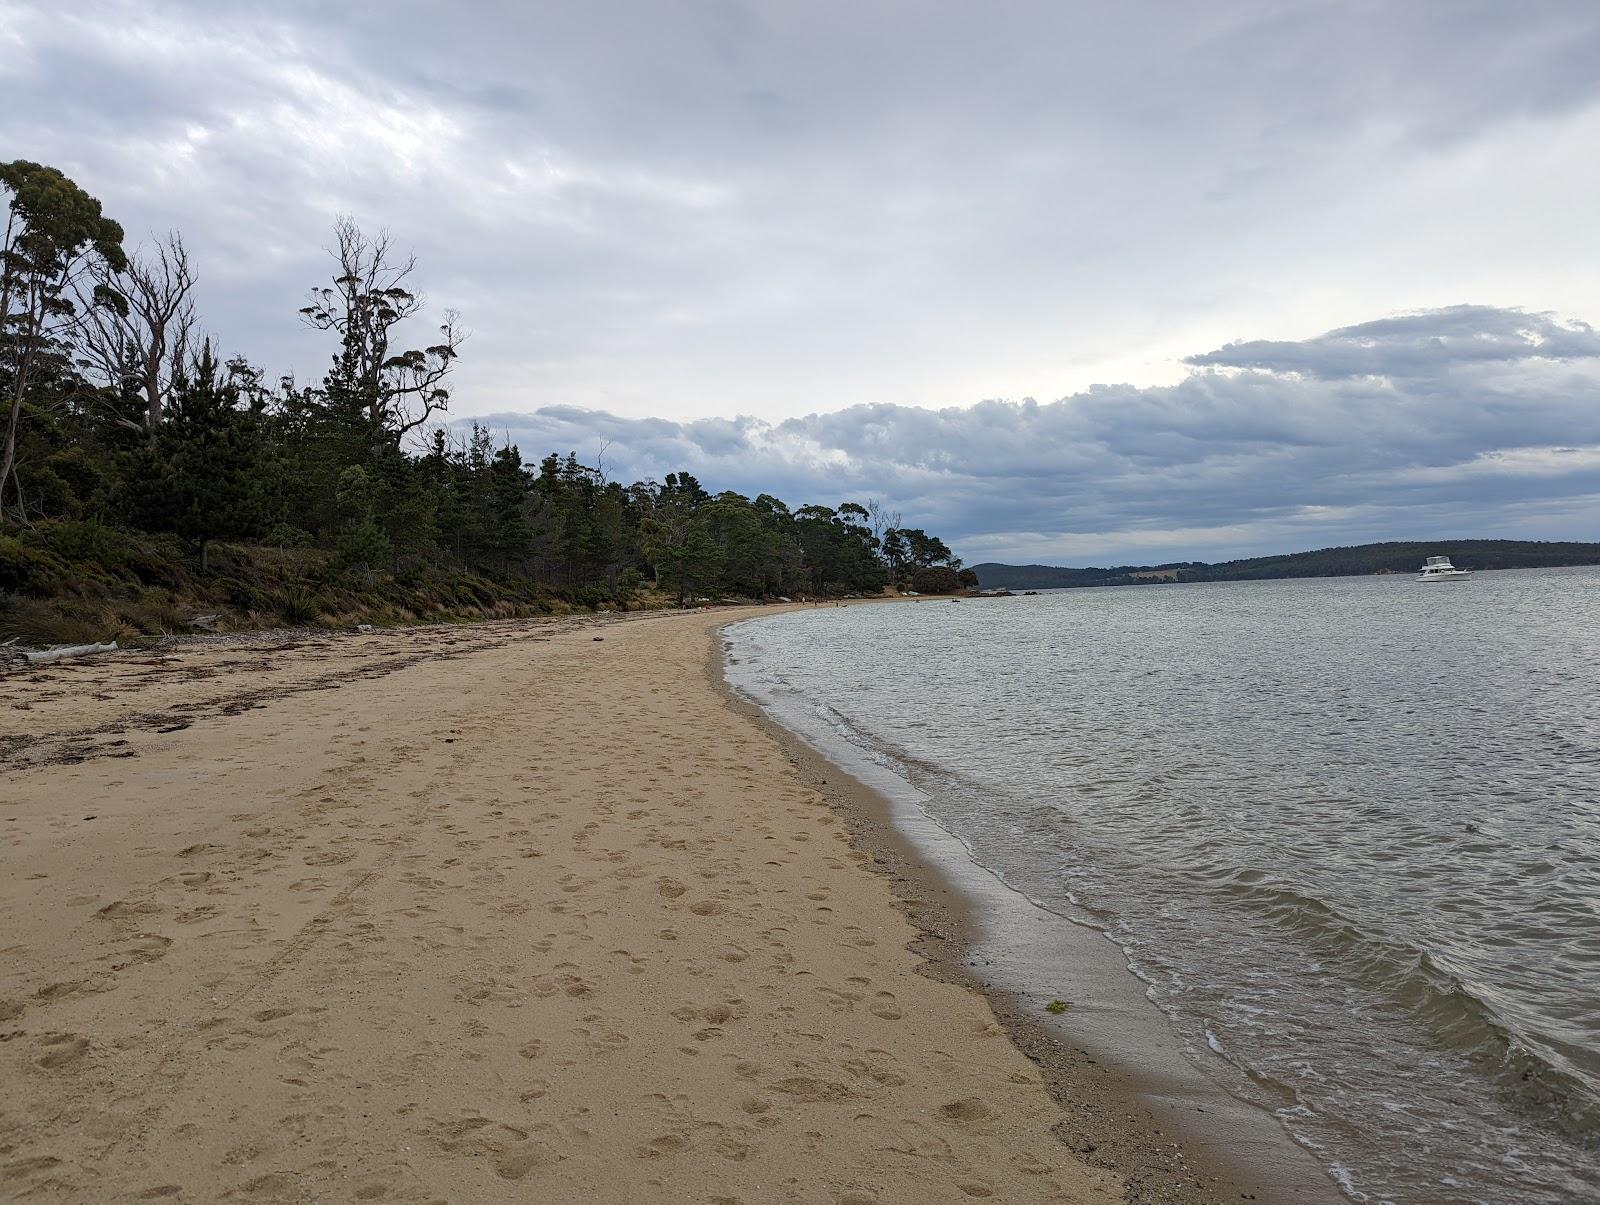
[1439, 569]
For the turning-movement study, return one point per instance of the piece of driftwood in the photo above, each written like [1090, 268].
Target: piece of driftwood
[206, 623]
[60, 652]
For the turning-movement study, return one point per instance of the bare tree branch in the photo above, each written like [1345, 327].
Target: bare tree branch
[139, 348]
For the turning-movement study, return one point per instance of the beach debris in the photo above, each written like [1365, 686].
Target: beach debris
[599, 637]
[1056, 1007]
[59, 652]
[364, 628]
[206, 623]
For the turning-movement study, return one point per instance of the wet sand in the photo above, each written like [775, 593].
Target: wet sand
[474, 914]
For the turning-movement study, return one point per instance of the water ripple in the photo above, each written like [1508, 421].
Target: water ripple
[1347, 831]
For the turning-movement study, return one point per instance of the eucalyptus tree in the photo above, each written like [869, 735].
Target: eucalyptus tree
[388, 391]
[55, 237]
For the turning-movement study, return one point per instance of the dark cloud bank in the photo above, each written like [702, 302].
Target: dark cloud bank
[1466, 421]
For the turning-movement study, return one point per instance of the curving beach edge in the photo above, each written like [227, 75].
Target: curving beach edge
[517, 911]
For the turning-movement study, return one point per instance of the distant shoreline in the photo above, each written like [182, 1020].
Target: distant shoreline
[1360, 560]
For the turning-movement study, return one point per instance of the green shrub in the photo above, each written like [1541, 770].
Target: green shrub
[87, 540]
[27, 570]
[363, 545]
[412, 574]
[244, 596]
[287, 535]
[155, 613]
[156, 561]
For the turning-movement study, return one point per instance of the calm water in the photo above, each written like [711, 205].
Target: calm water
[1347, 831]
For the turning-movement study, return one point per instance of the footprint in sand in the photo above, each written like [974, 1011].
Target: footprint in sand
[665, 1144]
[327, 858]
[119, 909]
[969, 1113]
[61, 1050]
[147, 947]
[603, 1041]
[812, 1090]
[51, 992]
[506, 1148]
[874, 1071]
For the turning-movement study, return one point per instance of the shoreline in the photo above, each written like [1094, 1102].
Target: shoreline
[1132, 1101]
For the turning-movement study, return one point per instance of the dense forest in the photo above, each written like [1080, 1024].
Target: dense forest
[145, 474]
[1400, 556]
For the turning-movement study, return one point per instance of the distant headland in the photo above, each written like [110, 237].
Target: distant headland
[1395, 556]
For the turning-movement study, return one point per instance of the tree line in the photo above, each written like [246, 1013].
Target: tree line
[121, 414]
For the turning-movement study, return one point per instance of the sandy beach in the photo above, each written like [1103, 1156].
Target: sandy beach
[521, 911]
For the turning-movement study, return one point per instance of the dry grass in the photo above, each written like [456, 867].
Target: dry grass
[84, 583]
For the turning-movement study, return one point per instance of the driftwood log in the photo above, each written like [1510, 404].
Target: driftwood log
[60, 652]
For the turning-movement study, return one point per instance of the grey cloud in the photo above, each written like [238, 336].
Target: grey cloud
[1415, 345]
[1222, 463]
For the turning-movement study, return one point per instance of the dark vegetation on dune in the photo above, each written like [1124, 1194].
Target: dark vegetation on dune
[146, 478]
[1400, 556]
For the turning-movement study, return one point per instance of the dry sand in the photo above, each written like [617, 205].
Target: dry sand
[499, 913]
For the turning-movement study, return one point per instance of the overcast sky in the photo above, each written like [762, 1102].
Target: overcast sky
[1281, 273]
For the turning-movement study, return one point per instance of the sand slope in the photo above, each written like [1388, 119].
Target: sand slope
[475, 915]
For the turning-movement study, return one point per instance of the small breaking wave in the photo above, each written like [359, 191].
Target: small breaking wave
[1412, 979]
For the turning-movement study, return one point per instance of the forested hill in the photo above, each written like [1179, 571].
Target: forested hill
[1401, 556]
[145, 476]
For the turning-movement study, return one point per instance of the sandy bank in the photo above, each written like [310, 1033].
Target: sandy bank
[494, 913]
